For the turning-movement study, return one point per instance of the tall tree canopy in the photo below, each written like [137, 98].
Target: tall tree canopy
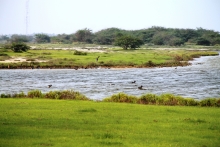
[84, 35]
[110, 36]
[42, 38]
[128, 42]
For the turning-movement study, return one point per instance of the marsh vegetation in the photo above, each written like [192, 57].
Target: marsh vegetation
[112, 57]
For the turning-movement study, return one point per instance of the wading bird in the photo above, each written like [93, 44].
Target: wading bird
[49, 86]
[97, 59]
[133, 82]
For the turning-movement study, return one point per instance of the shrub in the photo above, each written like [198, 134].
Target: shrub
[148, 99]
[169, 99]
[52, 95]
[5, 95]
[191, 102]
[210, 102]
[79, 53]
[66, 94]
[19, 95]
[19, 47]
[70, 94]
[35, 94]
[122, 98]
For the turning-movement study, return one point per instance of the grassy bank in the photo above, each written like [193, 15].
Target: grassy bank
[112, 57]
[146, 99]
[41, 122]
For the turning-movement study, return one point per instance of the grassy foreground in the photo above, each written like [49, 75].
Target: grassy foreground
[44, 122]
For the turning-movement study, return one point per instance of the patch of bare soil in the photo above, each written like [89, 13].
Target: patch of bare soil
[20, 59]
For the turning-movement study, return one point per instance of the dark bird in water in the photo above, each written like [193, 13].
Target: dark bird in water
[97, 59]
[49, 86]
[133, 82]
[140, 88]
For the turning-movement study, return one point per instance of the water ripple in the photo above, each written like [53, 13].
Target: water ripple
[197, 81]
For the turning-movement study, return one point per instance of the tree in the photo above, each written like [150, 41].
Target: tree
[42, 38]
[175, 41]
[159, 38]
[61, 38]
[128, 42]
[107, 36]
[203, 41]
[19, 38]
[19, 47]
[84, 35]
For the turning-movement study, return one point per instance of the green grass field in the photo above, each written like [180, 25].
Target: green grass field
[42, 122]
[112, 57]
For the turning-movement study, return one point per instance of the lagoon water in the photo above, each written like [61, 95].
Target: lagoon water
[200, 80]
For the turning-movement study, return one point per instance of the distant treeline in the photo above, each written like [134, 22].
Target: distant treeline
[150, 36]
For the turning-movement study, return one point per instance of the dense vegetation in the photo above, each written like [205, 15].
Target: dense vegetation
[147, 99]
[151, 36]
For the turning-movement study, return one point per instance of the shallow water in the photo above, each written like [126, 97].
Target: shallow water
[199, 81]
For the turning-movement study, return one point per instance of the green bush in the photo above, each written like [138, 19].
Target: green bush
[169, 99]
[210, 102]
[191, 102]
[79, 53]
[52, 95]
[5, 95]
[122, 98]
[66, 94]
[148, 99]
[19, 95]
[35, 94]
[70, 94]
[19, 47]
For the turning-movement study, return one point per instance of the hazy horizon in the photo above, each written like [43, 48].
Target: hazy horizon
[68, 16]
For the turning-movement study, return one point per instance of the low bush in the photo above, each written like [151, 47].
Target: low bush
[148, 99]
[152, 99]
[35, 94]
[79, 53]
[122, 98]
[210, 102]
[19, 47]
[5, 95]
[19, 95]
[66, 94]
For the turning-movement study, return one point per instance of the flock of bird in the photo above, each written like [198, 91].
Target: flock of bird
[140, 87]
